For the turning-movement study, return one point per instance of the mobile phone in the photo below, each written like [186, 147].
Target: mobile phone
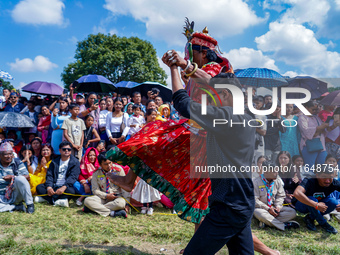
[96, 101]
[328, 119]
[57, 105]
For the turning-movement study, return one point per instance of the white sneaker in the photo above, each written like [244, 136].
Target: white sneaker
[79, 203]
[150, 211]
[261, 224]
[174, 212]
[143, 211]
[61, 202]
[40, 200]
[327, 217]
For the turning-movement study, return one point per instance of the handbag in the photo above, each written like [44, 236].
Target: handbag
[9, 190]
[314, 145]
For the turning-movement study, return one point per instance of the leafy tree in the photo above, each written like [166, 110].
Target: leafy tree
[6, 84]
[116, 58]
[331, 89]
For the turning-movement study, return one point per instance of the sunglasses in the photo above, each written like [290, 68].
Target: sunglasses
[66, 149]
[12, 97]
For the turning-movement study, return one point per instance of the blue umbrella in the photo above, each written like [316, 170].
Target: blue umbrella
[260, 77]
[124, 87]
[5, 75]
[94, 83]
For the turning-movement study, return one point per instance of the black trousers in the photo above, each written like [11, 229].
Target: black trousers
[215, 232]
[42, 189]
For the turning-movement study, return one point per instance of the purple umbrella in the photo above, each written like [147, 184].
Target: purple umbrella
[43, 88]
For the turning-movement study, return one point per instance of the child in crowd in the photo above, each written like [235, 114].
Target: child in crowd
[164, 112]
[44, 123]
[74, 131]
[135, 122]
[90, 132]
[151, 115]
[101, 146]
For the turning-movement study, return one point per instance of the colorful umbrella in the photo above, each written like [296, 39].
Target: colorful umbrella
[124, 87]
[316, 87]
[94, 83]
[43, 88]
[5, 75]
[144, 87]
[260, 77]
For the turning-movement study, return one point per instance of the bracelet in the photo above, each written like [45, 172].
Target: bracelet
[88, 110]
[194, 71]
[187, 67]
[317, 206]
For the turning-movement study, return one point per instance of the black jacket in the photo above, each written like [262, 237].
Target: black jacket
[72, 172]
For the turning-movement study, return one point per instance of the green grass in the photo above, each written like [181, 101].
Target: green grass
[56, 230]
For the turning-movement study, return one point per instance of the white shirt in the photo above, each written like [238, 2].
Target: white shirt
[102, 118]
[63, 165]
[113, 124]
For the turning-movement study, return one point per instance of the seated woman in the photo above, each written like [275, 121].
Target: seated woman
[39, 175]
[88, 165]
[26, 156]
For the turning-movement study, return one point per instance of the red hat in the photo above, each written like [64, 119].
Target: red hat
[203, 39]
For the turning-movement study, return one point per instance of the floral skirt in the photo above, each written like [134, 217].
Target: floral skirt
[162, 154]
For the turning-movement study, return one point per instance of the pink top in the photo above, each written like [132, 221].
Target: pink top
[323, 115]
[307, 126]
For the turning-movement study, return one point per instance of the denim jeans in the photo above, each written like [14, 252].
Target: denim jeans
[331, 202]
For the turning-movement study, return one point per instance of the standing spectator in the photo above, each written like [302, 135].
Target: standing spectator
[14, 105]
[267, 100]
[89, 133]
[313, 130]
[92, 108]
[150, 104]
[134, 123]
[88, 165]
[289, 139]
[137, 99]
[13, 172]
[333, 136]
[125, 100]
[62, 173]
[108, 198]
[6, 94]
[269, 196]
[109, 104]
[102, 120]
[326, 112]
[33, 115]
[80, 100]
[260, 130]
[74, 131]
[272, 138]
[312, 196]
[44, 123]
[57, 120]
[115, 123]
[158, 101]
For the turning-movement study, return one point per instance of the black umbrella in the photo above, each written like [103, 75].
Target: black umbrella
[316, 87]
[15, 120]
[144, 87]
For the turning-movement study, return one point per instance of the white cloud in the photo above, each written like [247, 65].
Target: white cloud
[313, 12]
[39, 12]
[73, 40]
[297, 46]
[164, 19]
[246, 58]
[99, 29]
[39, 63]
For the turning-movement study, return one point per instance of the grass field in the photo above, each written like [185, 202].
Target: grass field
[56, 230]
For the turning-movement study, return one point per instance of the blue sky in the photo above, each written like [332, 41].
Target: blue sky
[293, 37]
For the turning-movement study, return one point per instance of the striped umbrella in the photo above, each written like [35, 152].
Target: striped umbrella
[5, 75]
[260, 77]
